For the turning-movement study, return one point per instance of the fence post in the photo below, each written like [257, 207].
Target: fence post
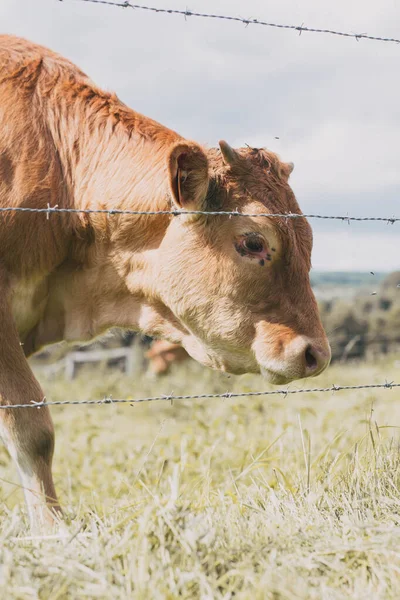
[69, 367]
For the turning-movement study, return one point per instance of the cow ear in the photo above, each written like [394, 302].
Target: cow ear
[188, 175]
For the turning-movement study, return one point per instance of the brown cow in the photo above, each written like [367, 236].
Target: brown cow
[163, 354]
[234, 292]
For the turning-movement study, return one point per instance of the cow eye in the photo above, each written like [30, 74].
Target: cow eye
[253, 244]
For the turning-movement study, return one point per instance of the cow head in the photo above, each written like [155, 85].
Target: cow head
[235, 291]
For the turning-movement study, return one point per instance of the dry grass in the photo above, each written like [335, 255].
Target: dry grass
[269, 498]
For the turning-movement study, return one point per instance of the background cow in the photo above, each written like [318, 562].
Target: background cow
[234, 292]
[163, 354]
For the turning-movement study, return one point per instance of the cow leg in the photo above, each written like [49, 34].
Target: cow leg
[29, 438]
[27, 432]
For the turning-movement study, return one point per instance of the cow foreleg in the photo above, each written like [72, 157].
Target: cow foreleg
[27, 432]
[29, 438]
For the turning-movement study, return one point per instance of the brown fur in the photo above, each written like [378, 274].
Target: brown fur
[64, 142]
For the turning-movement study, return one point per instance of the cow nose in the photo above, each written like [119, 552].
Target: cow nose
[316, 359]
[302, 356]
[305, 357]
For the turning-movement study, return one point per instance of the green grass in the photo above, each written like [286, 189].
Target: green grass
[271, 498]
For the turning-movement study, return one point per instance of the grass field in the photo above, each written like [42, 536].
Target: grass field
[271, 498]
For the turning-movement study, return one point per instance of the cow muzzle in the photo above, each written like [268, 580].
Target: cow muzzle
[301, 357]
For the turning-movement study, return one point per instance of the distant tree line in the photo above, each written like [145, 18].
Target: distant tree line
[367, 325]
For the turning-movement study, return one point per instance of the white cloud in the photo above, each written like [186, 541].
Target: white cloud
[344, 157]
[356, 251]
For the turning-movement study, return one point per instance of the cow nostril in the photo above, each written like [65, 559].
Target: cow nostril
[311, 361]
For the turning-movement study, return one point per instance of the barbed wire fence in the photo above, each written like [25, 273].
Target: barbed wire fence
[176, 213]
[250, 21]
[388, 385]
[49, 210]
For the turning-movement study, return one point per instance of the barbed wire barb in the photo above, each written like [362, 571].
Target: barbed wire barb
[107, 400]
[300, 28]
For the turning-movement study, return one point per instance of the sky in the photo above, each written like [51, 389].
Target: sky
[332, 102]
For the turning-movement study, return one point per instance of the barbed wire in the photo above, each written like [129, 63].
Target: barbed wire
[227, 395]
[190, 13]
[176, 213]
